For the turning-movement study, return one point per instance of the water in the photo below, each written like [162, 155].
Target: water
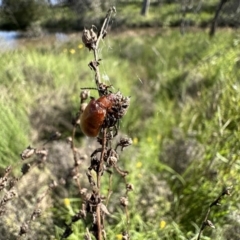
[8, 39]
[52, 2]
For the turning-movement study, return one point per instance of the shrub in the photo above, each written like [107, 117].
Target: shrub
[23, 12]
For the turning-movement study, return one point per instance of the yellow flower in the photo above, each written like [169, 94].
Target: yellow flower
[80, 46]
[139, 164]
[135, 141]
[66, 202]
[149, 139]
[119, 236]
[72, 51]
[162, 224]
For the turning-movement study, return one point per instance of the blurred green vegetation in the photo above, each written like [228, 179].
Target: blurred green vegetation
[160, 13]
[21, 14]
[25, 14]
[183, 118]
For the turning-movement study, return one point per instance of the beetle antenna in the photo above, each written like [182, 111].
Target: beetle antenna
[88, 88]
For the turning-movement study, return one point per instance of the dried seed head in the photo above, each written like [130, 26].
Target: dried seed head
[112, 161]
[227, 191]
[62, 181]
[13, 181]
[76, 119]
[25, 168]
[8, 196]
[24, 228]
[89, 38]
[129, 187]
[27, 153]
[57, 135]
[125, 142]
[114, 9]
[42, 152]
[209, 224]
[120, 104]
[36, 214]
[75, 176]
[124, 201]
[84, 95]
[84, 192]
[53, 184]
[54, 136]
[2, 211]
[125, 236]
[69, 140]
[8, 169]
[93, 65]
[112, 157]
[3, 183]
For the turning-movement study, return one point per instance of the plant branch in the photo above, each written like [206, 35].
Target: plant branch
[101, 35]
[216, 202]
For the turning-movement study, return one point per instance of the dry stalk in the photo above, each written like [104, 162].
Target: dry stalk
[100, 118]
[9, 183]
[206, 222]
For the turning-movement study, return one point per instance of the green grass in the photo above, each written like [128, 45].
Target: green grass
[183, 118]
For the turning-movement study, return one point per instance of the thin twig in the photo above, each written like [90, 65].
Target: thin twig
[76, 164]
[104, 137]
[95, 50]
[204, 223]
[216, 202]
[99, 174]
[99, 224]
[100, 169]
[109, 189]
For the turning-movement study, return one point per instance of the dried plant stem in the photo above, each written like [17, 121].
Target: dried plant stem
[100, 169]
[95, 50]
[76, 164]
[98, 81]
[105, 24]
[97, 73]
[203, 223]
[126, 209]
[36, 213]
[109, 189]
[111, 107]
[99, 224]
[99, 174]
[216, 202]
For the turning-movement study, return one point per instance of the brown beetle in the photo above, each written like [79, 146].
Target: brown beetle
[103, 112]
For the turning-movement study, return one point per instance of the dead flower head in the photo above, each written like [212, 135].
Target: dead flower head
[89, 38]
